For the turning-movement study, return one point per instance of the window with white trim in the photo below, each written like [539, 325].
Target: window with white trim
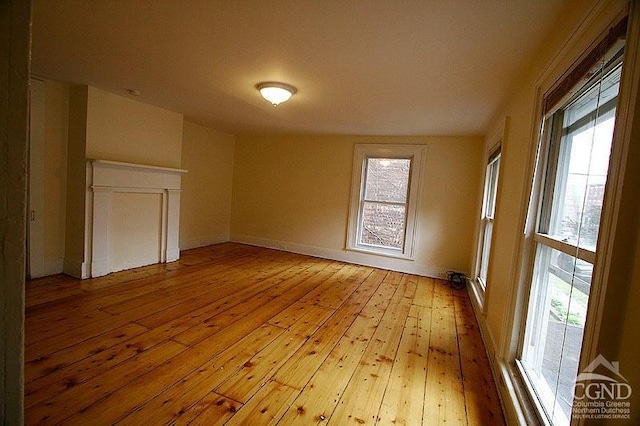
[573, 164]
[488, 215]
[384, 198]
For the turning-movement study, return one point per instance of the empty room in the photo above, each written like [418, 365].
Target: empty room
[320, 212]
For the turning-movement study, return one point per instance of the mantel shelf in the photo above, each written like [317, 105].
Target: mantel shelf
[135, 166]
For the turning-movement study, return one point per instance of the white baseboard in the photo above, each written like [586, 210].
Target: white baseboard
[495, 363]
[37, 270]
[192, 243]
[53, 266]
[173, 254]
[100, 268]
[393, 264]
[75, 268]
[509, 391]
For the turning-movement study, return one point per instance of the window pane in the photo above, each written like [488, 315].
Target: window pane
[582, 166]
[602, 95]
[486, 248]
[387, 179]
[579, 193]
[491, 187]
[553, 338]
[383, 225]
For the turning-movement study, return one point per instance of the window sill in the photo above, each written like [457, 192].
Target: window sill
[477, 294]
[520, 409]
[527, 395]
[381, 253]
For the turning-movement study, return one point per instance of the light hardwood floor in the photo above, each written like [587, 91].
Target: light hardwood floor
[234, 334]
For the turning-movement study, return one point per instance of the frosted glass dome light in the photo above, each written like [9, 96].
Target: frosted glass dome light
[276, 92]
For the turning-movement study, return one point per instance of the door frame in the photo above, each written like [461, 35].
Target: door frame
[35, 209]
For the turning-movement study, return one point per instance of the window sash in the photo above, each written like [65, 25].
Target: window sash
[559, 159]
[404, 196]
[485, 248]
[491, 187]
[401, 234]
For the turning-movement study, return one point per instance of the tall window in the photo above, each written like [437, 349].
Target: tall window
[384, 199]
[488, 215]
[574, 161]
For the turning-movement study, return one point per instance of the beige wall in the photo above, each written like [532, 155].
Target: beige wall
[123, 129]
[292, 192]
[110, 127]
[76, 181]
[55, 170]
[94, 123]
[516, 165]
[581, 24]
[288, 190]
[618, 338]
[205, 204]
[15, 45]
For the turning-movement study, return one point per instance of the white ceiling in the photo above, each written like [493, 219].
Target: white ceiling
[393, 67]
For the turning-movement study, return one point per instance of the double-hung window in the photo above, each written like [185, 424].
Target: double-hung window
[488, 215]
[573, 165]
[384, 198]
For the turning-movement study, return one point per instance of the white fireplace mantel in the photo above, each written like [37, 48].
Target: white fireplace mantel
[106, 178]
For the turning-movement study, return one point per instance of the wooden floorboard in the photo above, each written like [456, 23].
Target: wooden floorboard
[234, 334]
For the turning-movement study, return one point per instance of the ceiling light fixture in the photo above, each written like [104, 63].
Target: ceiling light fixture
[276, 92]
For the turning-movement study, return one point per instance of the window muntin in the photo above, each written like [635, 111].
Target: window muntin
[577, 159]
[384, 199]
